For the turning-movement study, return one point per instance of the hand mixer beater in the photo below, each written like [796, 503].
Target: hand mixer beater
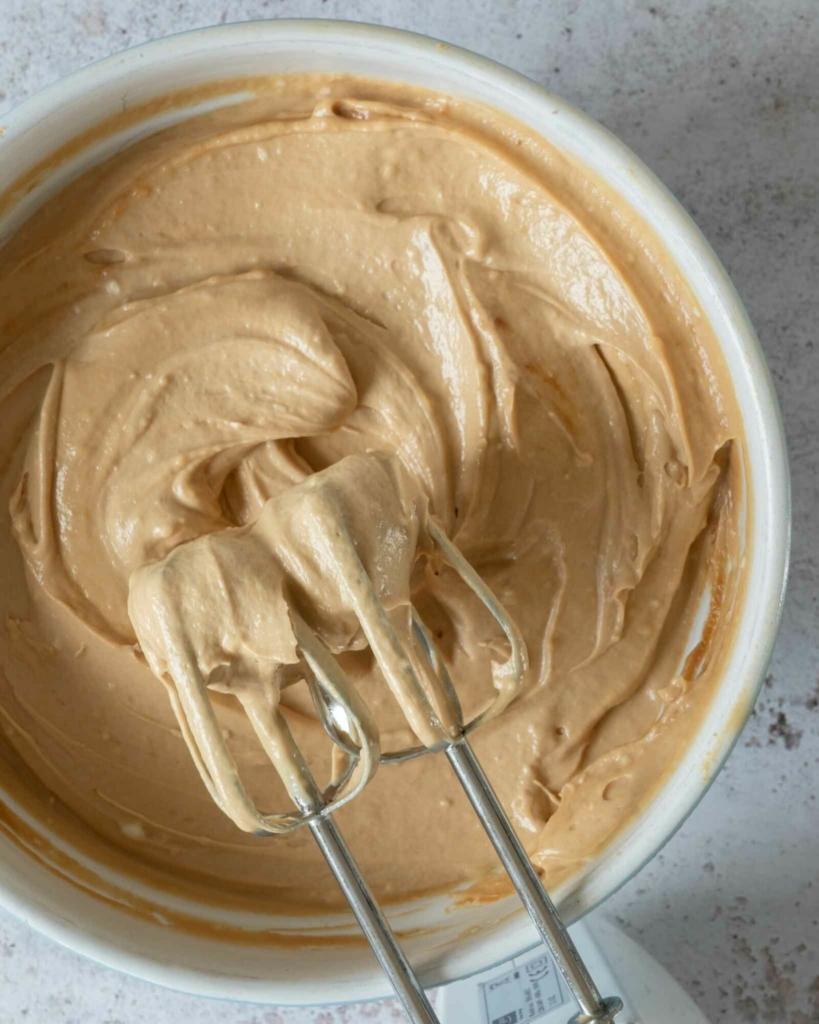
[328, 564]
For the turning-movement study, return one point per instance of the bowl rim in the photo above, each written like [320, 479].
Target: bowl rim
[774, 469]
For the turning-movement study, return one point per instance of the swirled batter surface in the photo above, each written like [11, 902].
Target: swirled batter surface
[337, 267]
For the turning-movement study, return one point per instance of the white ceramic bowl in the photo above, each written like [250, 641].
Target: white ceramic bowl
[465, 940]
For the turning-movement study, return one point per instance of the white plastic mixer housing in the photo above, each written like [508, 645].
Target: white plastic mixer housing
[529, 989]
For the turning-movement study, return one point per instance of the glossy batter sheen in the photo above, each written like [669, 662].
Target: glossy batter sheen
[336, 268]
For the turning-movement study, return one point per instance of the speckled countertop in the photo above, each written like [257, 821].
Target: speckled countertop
[722, 101]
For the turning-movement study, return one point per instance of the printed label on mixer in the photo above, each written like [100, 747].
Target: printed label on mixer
[523, 994]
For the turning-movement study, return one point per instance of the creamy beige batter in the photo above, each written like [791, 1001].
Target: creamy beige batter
[335, 268]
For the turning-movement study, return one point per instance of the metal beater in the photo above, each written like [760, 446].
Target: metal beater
[418, 677]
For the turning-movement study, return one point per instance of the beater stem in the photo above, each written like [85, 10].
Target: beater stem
[373, 923]
[593, 1008]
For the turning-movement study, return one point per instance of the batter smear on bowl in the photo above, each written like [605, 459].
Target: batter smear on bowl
[336, 268]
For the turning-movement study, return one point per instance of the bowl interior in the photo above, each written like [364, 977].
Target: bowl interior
[446, 942]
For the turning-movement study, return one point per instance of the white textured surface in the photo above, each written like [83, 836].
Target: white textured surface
[722, 100]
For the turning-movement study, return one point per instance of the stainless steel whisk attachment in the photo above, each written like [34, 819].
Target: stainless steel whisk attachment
[418, 677]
